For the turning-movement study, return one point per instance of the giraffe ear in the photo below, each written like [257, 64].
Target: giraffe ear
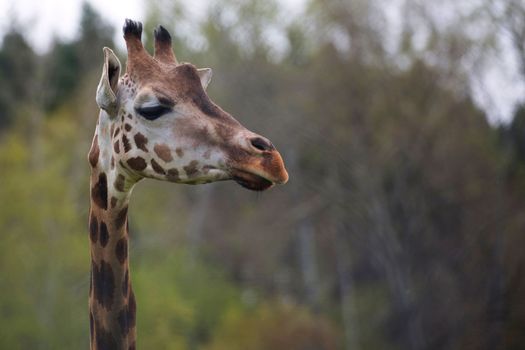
[205, 76]
[107, 87]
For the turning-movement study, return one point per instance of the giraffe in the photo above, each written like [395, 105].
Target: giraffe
[156, 121]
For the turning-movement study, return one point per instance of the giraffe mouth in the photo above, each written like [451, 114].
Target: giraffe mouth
[251, 181]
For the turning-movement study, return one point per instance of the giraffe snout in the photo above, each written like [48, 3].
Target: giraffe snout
[273, 165]
[260, 144]
[264, 160]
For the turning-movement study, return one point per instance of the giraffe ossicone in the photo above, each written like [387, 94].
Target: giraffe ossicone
[156, 121]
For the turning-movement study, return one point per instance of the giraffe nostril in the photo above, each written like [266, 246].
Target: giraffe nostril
[261, 144]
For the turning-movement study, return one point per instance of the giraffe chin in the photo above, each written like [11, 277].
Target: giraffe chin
[251, 181]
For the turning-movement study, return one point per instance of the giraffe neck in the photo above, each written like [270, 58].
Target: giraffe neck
[111, 299]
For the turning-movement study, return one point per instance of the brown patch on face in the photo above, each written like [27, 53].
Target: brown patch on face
[103, 283]
[121, 250]
[117, 130]
[93, 228]
[179, 152]
[127, 127]
[163, 152]
[119, 183]
[191, 90]
[137, 163]
[226, 132]
[104, 234]
[99, 192]
[173, 175]
[125, 142]
[157, 168]
[129, 116]
[203, 102]
[121, 218]
[200, 136]
[116, 147]
[113, 202]
[141, 141]
[94, 152]
[191, 169]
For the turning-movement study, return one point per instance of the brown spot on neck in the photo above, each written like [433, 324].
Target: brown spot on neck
[121, 249]
[119, 183]
[91, 326]
[93, 228]
[99, 192]
[121, 218]
[103, 283]
[125, 284]
[103, 338]
[104, 234]
[94, 152]
[127, 316]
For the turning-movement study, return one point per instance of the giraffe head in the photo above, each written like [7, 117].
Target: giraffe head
[161, 124]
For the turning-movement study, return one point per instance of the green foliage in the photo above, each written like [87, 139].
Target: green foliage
[400, 227]
[275, 326]
[181, 302]
[42, 300]
[68, 62]
[18, 66]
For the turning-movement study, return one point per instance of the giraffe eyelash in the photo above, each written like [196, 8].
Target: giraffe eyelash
[153, 112]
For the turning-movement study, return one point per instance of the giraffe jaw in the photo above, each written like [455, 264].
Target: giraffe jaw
[251, 181]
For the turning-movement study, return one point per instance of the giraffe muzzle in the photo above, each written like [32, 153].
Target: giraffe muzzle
[251, 181]
[264, 170]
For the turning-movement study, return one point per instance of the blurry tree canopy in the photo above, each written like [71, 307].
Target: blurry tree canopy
[68, 62]
[401, 226]
[18, 67]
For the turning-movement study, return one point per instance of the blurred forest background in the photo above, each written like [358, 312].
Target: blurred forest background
[402, 226]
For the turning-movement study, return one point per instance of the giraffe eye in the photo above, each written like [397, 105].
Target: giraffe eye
[153, 112]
